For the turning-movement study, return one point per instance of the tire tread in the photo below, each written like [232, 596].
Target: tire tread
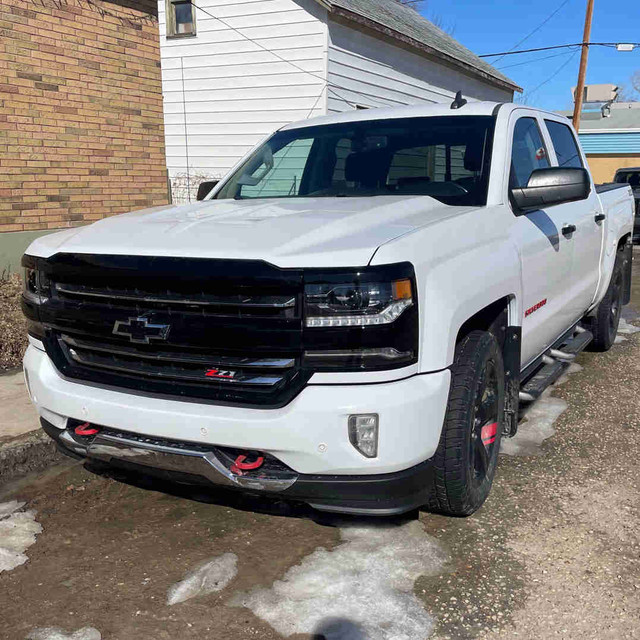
[451, 493]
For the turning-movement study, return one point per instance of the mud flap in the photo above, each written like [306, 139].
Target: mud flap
[511, 357]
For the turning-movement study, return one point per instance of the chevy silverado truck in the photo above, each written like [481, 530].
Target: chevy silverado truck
[350, 319]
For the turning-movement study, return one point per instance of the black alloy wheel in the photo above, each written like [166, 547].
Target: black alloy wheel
[485, 425]
[467, 455]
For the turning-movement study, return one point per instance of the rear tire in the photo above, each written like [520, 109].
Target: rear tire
[604, 324]
[467, 455]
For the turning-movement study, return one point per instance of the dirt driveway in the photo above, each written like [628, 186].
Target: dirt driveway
[555, 552]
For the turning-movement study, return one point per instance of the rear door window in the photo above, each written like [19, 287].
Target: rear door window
[565, 144]
[528, 153]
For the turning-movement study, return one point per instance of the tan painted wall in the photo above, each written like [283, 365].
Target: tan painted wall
[604, 167]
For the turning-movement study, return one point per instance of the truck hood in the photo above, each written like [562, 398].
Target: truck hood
[301, 232]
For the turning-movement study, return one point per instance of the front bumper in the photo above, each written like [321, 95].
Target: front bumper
[382, 495]
[309, 435]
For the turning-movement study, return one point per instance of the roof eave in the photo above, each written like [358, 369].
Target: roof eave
[350, 16]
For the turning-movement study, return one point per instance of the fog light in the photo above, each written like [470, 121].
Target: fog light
[363, 433]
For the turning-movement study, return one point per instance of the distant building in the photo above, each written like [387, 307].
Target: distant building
[228, 83]
[610, 134]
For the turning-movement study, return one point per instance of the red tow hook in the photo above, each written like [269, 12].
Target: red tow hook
[86, 430]
[239, 466]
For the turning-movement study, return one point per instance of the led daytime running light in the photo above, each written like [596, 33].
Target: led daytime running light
[386, 316]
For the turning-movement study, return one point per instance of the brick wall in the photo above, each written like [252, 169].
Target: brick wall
[81, 124]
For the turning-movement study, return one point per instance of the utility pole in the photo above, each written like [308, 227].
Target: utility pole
[579, 95]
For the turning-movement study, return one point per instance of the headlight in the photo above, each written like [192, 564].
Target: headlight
[36, 285]
[360, 320]
[356, 304]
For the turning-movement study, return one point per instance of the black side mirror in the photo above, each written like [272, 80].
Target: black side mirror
[555, 185]
[205, 188]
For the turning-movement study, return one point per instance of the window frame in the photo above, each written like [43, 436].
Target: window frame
[171, 25]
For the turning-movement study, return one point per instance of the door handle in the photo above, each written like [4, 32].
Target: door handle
[568, 229]
[600, 217]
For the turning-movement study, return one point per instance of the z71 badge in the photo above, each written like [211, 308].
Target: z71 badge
[220, 373]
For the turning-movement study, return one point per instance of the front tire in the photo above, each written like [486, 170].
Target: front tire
[467, 455]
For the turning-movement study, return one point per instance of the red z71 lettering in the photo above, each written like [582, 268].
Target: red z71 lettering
[217, 373]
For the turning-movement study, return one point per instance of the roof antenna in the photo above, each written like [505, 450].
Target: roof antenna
[459, 101]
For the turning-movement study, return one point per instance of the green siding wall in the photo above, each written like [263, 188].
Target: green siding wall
[13, 245]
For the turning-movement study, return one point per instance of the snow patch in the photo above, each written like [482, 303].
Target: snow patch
[18, 530]
[619, 340]
[537, 427]
[54, 633]
[214, 575]
[7, 508]
[362, 589]
[627, 328]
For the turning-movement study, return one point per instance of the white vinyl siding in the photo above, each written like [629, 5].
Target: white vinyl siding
[371, 72]
[223, 93]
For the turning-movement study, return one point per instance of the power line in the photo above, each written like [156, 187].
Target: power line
[330, 86]
[327, 84]
[553, 75]
[515, 46]
[519, 64]
[558, 46]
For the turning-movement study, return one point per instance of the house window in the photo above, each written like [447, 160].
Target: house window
[181, 18]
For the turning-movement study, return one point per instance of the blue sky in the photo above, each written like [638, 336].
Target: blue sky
[487, 26]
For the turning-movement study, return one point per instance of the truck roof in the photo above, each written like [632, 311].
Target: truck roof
[412, 111]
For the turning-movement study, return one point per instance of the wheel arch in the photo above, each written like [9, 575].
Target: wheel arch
[495, 317]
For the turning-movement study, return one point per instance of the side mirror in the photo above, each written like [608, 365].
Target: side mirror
[205, 188]
[555, 185]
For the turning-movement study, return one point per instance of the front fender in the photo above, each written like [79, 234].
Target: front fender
[456, 289]
[461, 268]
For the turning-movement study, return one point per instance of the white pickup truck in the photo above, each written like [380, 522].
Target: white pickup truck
[350, 319]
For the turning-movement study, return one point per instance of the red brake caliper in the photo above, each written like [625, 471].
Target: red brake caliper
[488, 433]
[240, 465]
[85, 430]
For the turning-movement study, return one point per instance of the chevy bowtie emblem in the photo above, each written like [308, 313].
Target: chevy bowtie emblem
[141, 330]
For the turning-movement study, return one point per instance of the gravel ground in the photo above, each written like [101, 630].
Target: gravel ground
[555, 552]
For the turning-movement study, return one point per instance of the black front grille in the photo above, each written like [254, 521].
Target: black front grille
[233, 305]
[222, 330]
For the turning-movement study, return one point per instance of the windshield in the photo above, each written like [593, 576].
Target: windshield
[446, 158]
